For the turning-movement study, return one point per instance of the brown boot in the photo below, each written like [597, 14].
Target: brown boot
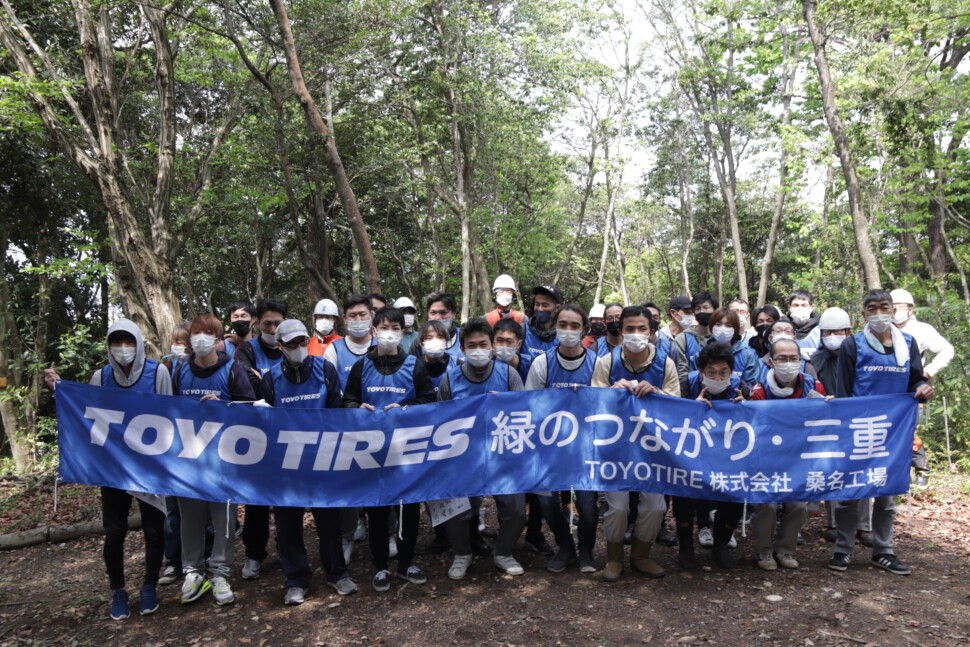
[640, 559]
[614, 561]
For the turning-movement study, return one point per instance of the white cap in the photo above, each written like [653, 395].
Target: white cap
[902, 296]
[503, 282]
[290, 329]
[598, 311]
[403, 303]
[326, 307]
[834, 319]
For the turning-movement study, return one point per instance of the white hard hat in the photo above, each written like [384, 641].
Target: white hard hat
[503, 282]
[598, 311]
[902, 296]
[834, 319]
[403, 303]
[326, 307]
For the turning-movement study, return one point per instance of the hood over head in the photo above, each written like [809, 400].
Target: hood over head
[128, 326]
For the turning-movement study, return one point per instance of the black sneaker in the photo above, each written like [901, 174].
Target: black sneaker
[540, 546]
[839, 562]
[666, 538]
[888, 562]
[382, 581]
[722, 556]
[864, 537]
[921, 480]
[830, 535]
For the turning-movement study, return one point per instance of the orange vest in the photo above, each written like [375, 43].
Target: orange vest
[318, 347]
[495, 315]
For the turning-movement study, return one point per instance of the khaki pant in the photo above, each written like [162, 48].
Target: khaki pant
[763, 527]
[650, 514]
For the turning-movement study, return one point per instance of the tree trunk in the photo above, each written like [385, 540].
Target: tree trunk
[587, 191]
[867, 257]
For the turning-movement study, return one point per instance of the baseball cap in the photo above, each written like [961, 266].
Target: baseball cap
[550, 290]
[290, 329]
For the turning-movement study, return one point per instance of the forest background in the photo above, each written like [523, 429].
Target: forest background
[161, 161]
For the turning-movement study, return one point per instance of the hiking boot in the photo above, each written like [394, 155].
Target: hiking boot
[147, 600]
[194, 587]
[344, 586]
[889, 562]
[508, 565]
[563, 558]
[119, 605]
[250, 569]
[705, 537]
[640, 559]
[839, 562]
[786, 560]
[382, 581]
[586, 562]
[614, 561]
[766, 561]
[169, 575]
[414, 575]
[294, 595]
[864, 537]
[221, 591]
[459, 566]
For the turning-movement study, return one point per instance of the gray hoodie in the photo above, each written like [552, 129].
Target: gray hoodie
[163, 383]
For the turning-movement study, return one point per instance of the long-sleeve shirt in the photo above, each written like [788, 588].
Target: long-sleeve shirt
[671, 384]
[928, 339]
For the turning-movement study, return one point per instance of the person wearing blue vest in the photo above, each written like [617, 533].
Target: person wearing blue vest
[611, 340]
[690, 342]
[433, 336]
[801, 312]
[785, 381]
[209, 374]
[441, 306]
[726, 329]
[242, 314]
[881, 359]
[539, 334]
[346, 352]
[777, 331]
[128, 368]
[640, 368]
[681, 318]
[480, 374]
[385, 378]
[568, 366]
[508, 346]
[305, 381]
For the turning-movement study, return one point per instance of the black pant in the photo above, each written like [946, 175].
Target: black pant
[726, 517]
[255, 534]
[115, 505]
[292, 549]
[919, 460]
[379, 532]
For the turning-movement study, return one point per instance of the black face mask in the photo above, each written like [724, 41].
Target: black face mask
[654, 325]
[613, 328]
[703, 318]
[242, 327]
[761, 328]
[543, 317]
[598, 329]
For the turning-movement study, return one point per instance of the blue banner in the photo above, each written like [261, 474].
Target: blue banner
[502, 443]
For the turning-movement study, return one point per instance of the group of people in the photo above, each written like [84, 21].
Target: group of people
[386, 359]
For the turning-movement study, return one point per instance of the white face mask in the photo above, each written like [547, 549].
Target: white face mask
[506, 353]
[447, 322]
[801, 314]
[434, 348]
[323, 326]
[268, 339]
[568, 338]
[408, 321]
[787, 371]
[833, 342]
[899, 318]
[178, 350]
[388, 340]
[714, 387]
[204, 344]
[124, 355]
[478, 357]
[778, 336]
[358, 329]
[686, 321]
[744, 321]
[297, 355]
[635, 343]
[504, 299]
[879, 323]
[723, 334]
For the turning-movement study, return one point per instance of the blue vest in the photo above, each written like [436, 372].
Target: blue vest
[525, 363]
[216, 384]
[346, 359]
[263, 361]
[692, 348]
[695, 380]
[763, 369]
[654, 374]
[602, 347]
[876, 373]
[558, 377]
[144, 384]
[311, 394]
[230, 348]
[455, 349]
[462, 387]
[535, 346]
[808, 385]
[381, 390]
[437, 380]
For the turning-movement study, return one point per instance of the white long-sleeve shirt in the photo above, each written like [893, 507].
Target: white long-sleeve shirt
[928, 339]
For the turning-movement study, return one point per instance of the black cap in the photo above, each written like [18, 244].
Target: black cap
[679, 303]
[550, 290]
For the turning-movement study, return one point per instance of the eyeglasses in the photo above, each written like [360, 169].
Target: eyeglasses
[717, 375]
[293, 344]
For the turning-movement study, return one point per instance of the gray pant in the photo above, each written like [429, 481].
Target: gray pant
[650, 514]
[511, 522]
[847, 516]
[195, 517]
[763, 527]
[864, 513]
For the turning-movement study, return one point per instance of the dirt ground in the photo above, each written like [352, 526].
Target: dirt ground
[57, 595]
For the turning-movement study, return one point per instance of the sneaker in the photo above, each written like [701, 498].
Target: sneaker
[839, 562]
[799, 540]
[194, 587]
[540, 546]
[360, 532]
[382, 581]
[344, 586]
[414, 575]
[508, 565]
[147, 600]
[732, 542]
[864, 537]
[722, 556]
[392, 547]
[586, 562]
[686, 560]
[250, 569]
[561, 560]
[294, 595]
[169, 575]
[119, 604]
[666, 538]
[705, 537]
[786, 560]
[221, 591]
[459, 567]
[766, 561]
[921, 481]
[348, 547]
[889, 562]
[628, 535]
[830, 535]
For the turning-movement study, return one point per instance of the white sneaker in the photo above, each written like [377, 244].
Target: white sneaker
[194, 586]
[168, 576]
[221, 591]
[766, 561]
[348, 550]
[705, 537]
[360, 532]
[786, 560]
[294, 595]
[732, 542]
[508, 564]
[459, 567]
[392, 547]
[250, 569]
